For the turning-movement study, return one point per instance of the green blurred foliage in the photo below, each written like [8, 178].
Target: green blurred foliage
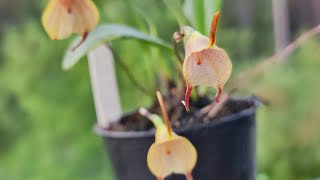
[47, 115]
[288, 129]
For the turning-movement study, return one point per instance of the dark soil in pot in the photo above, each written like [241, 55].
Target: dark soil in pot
[225, 144]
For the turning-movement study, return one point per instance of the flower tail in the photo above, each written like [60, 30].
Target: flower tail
[213, 30]
[218, 94]
[164, 114]
[189, 176]
[84, 37]
[187, 97]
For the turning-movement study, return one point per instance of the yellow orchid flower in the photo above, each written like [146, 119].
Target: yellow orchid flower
[205, 63]
[170, 153]
[61, 18]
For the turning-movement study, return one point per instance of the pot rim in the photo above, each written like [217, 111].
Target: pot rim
[150, 133]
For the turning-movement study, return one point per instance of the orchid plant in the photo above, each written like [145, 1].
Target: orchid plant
[204, 64]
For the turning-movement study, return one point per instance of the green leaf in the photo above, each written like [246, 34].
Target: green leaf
[151, 26]
[200, 13]
[217, 5]
[175, 7]
[210, 8]
[106, 33]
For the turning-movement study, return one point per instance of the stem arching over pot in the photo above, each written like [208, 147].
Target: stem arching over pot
[205, 63]
[170, 153]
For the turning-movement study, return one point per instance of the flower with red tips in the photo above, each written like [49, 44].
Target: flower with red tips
[61, 18]
[205, 63]
[170, 153]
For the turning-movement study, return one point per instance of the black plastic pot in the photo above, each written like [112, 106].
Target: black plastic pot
[226, 148]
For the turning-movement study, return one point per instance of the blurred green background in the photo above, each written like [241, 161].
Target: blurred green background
[47, 115]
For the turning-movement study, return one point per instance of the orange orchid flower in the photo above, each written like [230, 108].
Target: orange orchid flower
[61, 18]
[205, 63]
[170, 153]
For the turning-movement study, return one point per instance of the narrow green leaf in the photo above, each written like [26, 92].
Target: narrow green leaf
[199, 13]
[188, 11]
[103, 34]
[175, 8]
[210, 8]
[151, 25]
[217, 5]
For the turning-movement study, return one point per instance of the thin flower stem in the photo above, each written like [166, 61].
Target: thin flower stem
[175, 46]
[176, 38]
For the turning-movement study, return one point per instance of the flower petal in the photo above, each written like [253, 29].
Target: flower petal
[210, 67]
[196, 42]
[61, 18]
[177, 155]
